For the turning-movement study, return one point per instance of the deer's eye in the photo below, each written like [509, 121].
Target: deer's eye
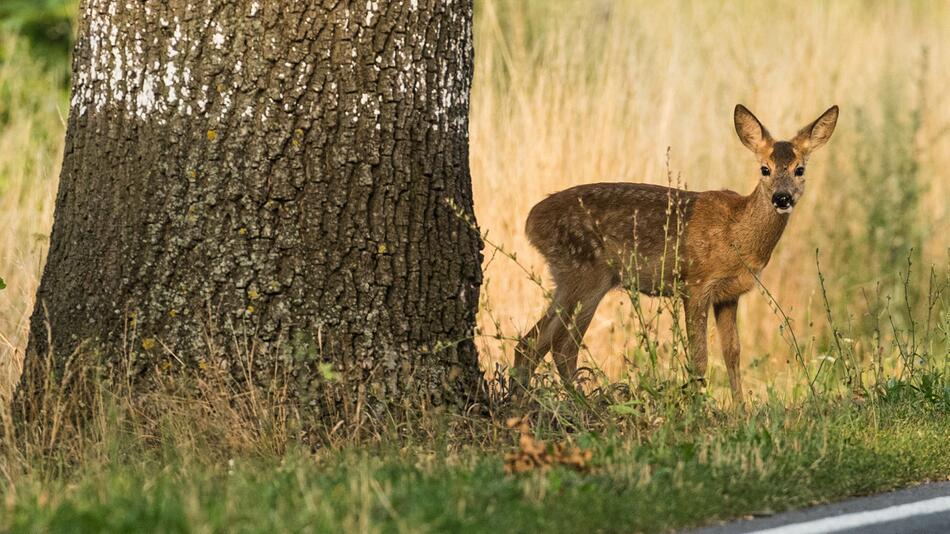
[799, 171]
[766, 171]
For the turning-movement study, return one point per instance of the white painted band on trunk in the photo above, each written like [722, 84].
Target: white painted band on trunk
[862, 519]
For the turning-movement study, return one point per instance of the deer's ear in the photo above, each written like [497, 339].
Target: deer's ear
[817, 133]
[751, 132]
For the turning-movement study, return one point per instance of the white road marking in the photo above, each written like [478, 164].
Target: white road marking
[862, 519]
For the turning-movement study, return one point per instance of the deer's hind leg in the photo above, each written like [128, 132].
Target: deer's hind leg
[576, 312]
[534, 345]
[561, 329]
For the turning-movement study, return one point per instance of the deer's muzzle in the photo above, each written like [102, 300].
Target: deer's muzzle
[783, 202]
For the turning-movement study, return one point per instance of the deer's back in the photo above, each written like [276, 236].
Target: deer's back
[624, 228]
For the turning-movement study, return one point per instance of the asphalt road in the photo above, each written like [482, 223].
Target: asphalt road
[921, 509]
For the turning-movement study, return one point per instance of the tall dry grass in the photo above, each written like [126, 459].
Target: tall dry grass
[32, 126]
[569, 92]
[575, 91]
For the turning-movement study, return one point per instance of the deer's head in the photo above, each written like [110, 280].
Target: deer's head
[783, 162]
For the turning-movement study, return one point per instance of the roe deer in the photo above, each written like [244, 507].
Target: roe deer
[597, 236]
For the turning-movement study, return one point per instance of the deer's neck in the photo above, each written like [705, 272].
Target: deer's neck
[759, 227]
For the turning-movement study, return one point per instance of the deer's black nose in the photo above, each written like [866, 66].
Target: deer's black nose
[782, 200]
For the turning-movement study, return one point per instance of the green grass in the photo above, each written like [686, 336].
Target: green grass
[699, 466]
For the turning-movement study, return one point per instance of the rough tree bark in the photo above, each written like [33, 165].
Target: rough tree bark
[280, 172]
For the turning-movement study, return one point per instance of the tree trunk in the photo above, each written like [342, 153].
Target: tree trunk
[292, 175]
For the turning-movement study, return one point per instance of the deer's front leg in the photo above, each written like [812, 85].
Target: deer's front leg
[729, 339]
[697, 311]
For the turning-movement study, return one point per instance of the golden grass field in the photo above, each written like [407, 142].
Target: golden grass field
[569, 92]
[31, 147]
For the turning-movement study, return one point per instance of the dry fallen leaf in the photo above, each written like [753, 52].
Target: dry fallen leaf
[533, 454]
